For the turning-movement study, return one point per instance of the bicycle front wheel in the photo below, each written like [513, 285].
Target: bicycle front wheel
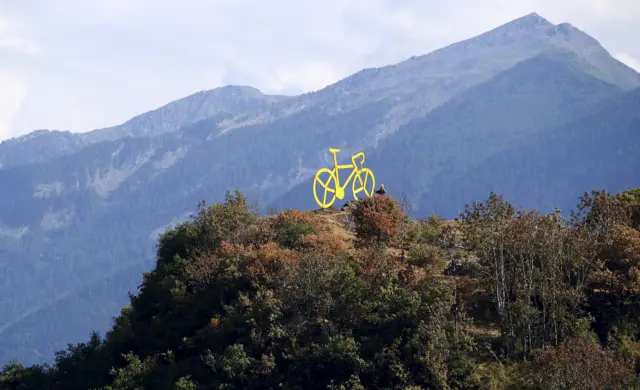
[364, 182]
[324, 188]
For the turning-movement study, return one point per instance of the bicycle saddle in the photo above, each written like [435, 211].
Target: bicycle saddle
[334, 150]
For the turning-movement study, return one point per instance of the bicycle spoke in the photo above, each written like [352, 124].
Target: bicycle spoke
[325, 185]
[332, 190]
[364, 185]
[324, 201]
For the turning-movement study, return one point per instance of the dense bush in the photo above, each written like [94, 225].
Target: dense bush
[425, 232]
[580, 364]
[291, 226]
[378, 220]
[425, 256]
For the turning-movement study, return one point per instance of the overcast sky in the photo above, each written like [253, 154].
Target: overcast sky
[84, 64]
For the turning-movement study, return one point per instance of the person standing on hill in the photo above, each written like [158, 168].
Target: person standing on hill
[381, 191]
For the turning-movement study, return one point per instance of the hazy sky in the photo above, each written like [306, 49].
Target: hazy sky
[84, 64]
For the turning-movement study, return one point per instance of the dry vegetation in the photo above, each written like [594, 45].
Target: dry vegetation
[368, 298]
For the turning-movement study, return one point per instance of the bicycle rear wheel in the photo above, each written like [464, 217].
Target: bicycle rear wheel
[364, 182]
[324, 184]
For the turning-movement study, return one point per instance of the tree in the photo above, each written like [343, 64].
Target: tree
[525, 264]
[405, 206]
[15, 376]
[285, 301]
[378, 220]
[226, 221]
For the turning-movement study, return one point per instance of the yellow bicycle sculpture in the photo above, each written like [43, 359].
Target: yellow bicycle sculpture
[331, 182]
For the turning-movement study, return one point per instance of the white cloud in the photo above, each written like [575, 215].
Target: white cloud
[12, 94]
[19, 44]
[12, 38]
[306, 77]
[15, 45]
[92, 64]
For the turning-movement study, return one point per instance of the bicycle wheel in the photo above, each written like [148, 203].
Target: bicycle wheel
[327, 181]
[364, 182]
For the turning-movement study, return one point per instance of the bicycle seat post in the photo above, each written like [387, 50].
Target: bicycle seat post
[335, 158]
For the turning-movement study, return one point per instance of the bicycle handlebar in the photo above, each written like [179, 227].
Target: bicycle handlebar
[355, 156]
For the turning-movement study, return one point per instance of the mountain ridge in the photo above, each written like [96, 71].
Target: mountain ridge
[607, 137]
[532, 27]
[474, 112]
[181, 112]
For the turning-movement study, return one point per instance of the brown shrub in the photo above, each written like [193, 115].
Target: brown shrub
[378, 220]
[270, 261]
[580, 364]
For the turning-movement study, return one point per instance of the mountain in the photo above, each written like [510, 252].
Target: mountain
[484, 121]
[89, 211]
[44, 145]
[38, 146]
[227, 100]
[599, 150]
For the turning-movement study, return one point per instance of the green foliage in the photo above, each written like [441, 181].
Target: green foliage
[352, 384]
[425, 232]
[84, 365]
[224, 222]
[525, 264]
[237, 302]
[180, 241]
[289, 233]
[185, 383]
[15, 376]
[426, 256]
[631, 195]
[240, 316]
[133, 375]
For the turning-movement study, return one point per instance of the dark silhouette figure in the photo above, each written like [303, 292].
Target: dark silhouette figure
[381, 191]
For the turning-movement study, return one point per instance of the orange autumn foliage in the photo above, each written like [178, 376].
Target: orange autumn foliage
[268, 261]
[378, 220]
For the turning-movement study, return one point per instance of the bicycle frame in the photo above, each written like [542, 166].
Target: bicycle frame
[337, 167]
[336, 188]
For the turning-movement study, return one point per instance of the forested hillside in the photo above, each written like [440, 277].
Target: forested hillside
[499, 298]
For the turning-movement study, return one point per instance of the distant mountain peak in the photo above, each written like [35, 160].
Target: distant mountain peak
[532, 19]
[228, 90]
[526, 22]
[240, 88]
[525, 27]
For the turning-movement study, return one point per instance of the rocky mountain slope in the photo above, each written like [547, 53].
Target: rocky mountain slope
[518, 106]
[599, 150]
[68, 198]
